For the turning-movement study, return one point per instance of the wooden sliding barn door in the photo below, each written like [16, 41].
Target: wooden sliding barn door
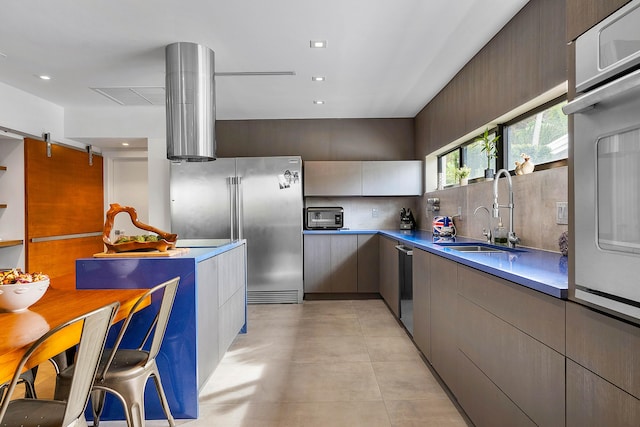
[64, 210]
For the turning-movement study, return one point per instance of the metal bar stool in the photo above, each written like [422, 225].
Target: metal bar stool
[124, 372]
[69, 411]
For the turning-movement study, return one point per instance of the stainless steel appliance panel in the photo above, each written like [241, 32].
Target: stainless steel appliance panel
[255, 198]
[606, 157]
[271, 220]
[609, 47]
[405, 280]
[606, 204]
[201, 199]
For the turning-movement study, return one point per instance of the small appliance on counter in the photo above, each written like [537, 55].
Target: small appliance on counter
[324, 218]
[407, 221]
[443, 226]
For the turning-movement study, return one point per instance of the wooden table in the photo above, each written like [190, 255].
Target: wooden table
[19, 330]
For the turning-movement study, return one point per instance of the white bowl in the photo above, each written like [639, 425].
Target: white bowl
[19, 297]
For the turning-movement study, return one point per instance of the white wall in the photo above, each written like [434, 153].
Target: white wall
[131, 122]
[12, 194]
[159, 204]
[126, 183]
[27, 113]
[115, 122]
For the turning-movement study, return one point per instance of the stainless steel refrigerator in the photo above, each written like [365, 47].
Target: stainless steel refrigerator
[254, 198]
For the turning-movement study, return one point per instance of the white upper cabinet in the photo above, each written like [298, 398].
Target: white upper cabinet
[392, 178]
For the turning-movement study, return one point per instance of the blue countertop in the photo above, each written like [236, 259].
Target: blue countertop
[200, 253]
[540, 270]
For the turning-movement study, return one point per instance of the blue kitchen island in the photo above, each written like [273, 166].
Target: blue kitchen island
[208, 312]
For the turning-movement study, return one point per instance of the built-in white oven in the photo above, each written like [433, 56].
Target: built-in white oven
[607, 164]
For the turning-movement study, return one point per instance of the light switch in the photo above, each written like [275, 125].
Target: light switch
[562, 213]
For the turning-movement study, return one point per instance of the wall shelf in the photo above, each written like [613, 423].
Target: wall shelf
[3, 168]
[8, 243]
[3, 205]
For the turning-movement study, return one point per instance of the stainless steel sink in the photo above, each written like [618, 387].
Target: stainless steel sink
[477, 247]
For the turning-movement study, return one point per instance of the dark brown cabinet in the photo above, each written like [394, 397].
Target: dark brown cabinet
[330, 263]
[498, 346]
[595, 402]
[584, 14]
[368, 263]
[603, 369]
[345, 263]
[389, 274]
[317, 264]
[444, 317]
[505, 331]
[422, 301]
[513, 356]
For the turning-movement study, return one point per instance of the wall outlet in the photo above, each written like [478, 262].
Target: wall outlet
[562, 213]
[374, 213]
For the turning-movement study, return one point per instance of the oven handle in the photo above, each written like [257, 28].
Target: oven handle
[405, 249]
[603, 93]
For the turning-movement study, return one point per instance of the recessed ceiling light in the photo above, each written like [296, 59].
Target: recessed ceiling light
[318, 78]
[318, 102]
[44, 77]
[126, 144]
[318, 43]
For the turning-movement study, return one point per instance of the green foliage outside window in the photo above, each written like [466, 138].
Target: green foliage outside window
[451, 163]
[542, 136]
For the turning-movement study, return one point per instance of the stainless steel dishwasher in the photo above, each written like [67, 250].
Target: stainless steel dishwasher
[405, 266]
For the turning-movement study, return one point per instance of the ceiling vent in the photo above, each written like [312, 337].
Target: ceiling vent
[133, 95]
[190, 99]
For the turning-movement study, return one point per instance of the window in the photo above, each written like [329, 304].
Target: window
[476, 159]
[469, 154]
[543, 136]
[447, 167]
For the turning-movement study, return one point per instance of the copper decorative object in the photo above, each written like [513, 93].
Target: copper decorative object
[164, 242]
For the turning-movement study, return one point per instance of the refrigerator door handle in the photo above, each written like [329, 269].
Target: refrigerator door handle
[239, 207]
[232, 205]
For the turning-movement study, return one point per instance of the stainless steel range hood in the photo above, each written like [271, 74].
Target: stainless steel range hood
[191, 106]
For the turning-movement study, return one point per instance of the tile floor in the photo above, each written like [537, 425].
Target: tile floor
[322, 363]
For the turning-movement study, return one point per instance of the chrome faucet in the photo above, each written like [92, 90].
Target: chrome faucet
[486, 232]
[512, 238]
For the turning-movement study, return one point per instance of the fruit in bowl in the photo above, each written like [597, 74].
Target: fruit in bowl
[19, 291]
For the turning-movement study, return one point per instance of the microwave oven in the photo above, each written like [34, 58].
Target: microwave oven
[324, 218]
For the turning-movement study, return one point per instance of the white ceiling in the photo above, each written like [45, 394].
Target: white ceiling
[385, 58]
